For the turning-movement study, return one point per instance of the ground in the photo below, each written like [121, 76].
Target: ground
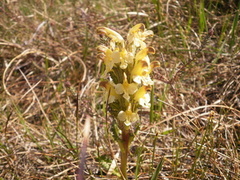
[50, 77]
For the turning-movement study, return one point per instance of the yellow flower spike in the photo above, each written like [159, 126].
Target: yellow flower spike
[125, 88]
[110, 95]
[142, 96]
[128, 68]
[128, 117]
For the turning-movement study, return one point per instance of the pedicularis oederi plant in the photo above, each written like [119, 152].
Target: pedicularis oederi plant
[127, 82]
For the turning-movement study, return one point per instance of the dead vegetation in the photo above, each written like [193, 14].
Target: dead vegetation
[50, 80]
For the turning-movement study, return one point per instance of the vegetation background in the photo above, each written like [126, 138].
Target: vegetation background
[50, 74]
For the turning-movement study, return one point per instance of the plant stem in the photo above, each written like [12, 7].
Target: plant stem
[124, 152]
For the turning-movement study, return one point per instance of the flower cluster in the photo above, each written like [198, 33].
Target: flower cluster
[127, 71]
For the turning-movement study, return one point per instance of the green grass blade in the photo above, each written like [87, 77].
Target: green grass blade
[158, 169]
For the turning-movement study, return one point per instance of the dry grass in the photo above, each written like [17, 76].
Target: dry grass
[50, 80]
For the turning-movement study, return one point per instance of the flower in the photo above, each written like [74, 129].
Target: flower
[136, 36]
[141, 71]
[109, 57]
[128, 117]
[125, 88]
[142, 96]
[142, 67]
[125, 58]
[115, 37]
[142, 54]
[110, 95]
[127, 71]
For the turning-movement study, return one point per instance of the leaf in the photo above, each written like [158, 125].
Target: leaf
[158, 169]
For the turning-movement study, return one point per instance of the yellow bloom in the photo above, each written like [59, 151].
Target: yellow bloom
[128, 117]
[136, 36]
[113, 35]
[143, 68]
[142, 54]
[108, 61]
[110, 95]
[125, 88]
[109, 57]
[141, 71]
[142, 96]
[125, 58]
[102, 48]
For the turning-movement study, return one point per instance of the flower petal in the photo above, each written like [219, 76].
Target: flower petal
[144, 52]
[110, 95]
[128, 117]
[116, 37]
[142, 96]
[119, 88]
